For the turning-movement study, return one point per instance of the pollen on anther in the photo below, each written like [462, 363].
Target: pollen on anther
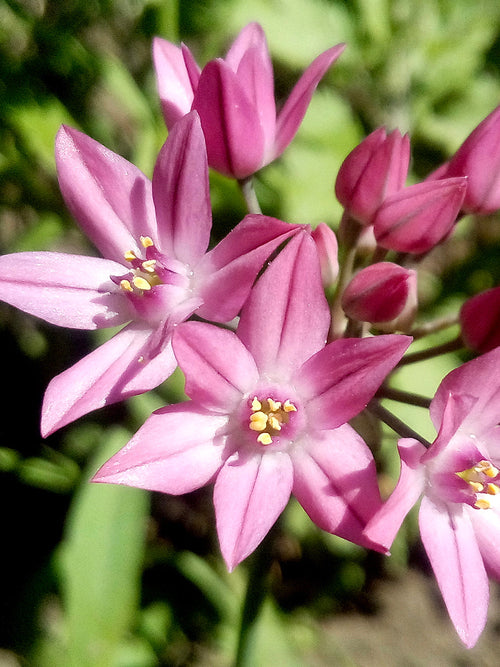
[482, 504]
[130, 256]
[258, 421]
[288, 406]
[492, 489]
[141, 283]
[274, 406]
[125, 285]
[147, 241]
[264, 439]
[149, 265]
[256, 404]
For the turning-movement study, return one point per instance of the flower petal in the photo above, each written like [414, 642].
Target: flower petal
[177, 450]
[135, 360]
[217, 366]
[335, 481]
[173, 80]
[181, 192]
[286, 317]
[250, 493]
[486, 524]
[385, 524]
[68, 290]
[109, 197]
[251, 36]
[226, 274]
[296, 105]
[450, 543]
[230, 122]
[478, 378]
[340, 380]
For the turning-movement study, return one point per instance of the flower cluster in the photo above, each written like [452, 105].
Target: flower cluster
[274, 371]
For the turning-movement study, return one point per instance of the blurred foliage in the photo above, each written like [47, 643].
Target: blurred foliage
[91, 576]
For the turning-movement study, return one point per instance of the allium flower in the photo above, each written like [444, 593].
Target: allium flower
[154, 236]
[268, 414]
[382, 292]
[480, 320]
[373, 171]
[235, 99]
[459, 477]
[420, 216]
[478, 158]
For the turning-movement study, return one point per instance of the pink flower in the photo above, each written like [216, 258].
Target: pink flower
[480, 320]
[420, 216]
[268, 414]
[328, 249]
[235, 99]
[154, 236]
[478, 158]
[382, 292]
[373, 171]
[460, 481]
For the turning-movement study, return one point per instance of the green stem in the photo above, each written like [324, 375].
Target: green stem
[431, 352]
[403, 397]
[248, 192]
[257, 588]
[434, 326]
[395, 423]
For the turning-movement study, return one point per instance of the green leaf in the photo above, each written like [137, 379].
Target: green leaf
[101, 562]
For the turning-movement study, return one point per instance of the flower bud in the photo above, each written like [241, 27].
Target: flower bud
[420, 216]
[478, 158]
[480, 321]
[382, 293]
[374, 170]
[327, 246]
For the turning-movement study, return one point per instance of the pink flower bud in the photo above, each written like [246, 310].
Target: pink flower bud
[374, 170]
[383, 292]
[478, 158]
[480, 321]
[327, 246]
[420, 216]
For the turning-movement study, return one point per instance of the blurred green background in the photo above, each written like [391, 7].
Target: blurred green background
[106, 576]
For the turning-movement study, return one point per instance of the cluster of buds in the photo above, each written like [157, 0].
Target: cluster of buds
[281, 342]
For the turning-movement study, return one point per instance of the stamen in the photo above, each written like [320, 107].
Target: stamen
[493, 489]
[149, 265]
[269, 417]
[141, 283]
[256, 404]
[482, 504]
[288, 406]
[274, 406]
[130, 256]
[147, 241]
[274, 422]
[125, 285]
[264, 439]
[258, 421]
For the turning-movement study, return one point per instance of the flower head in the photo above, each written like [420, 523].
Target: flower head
[269, 412]
[459, 477]
[157, 272]
[235, 99]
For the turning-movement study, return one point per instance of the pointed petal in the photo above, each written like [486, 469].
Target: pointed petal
[174, 84]
[177, 450]
[479, 378]
[342, 378]
[384, 525]
[296, 105]
[218, 367]
[230, 122]
[251, 36]
[226, 274]
[456, 409]
[255, 74]
[109, 197]
[449, 541]
[486, 524]
[335, 481]
[250, 493]
[286, 317]
[181, 192]
[68, 290]
[130, 363]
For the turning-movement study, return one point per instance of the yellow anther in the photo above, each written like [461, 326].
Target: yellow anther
[264, 439]
[141, 283]
[130, 256]
[490, 470]
[482, 504]
[492, 489]
[125, 285]
[147, 241]
[477, 486]
[274, 406]
[256, 404]
[288, 406]
[149, 265]
[258, 421]
[274, 422]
